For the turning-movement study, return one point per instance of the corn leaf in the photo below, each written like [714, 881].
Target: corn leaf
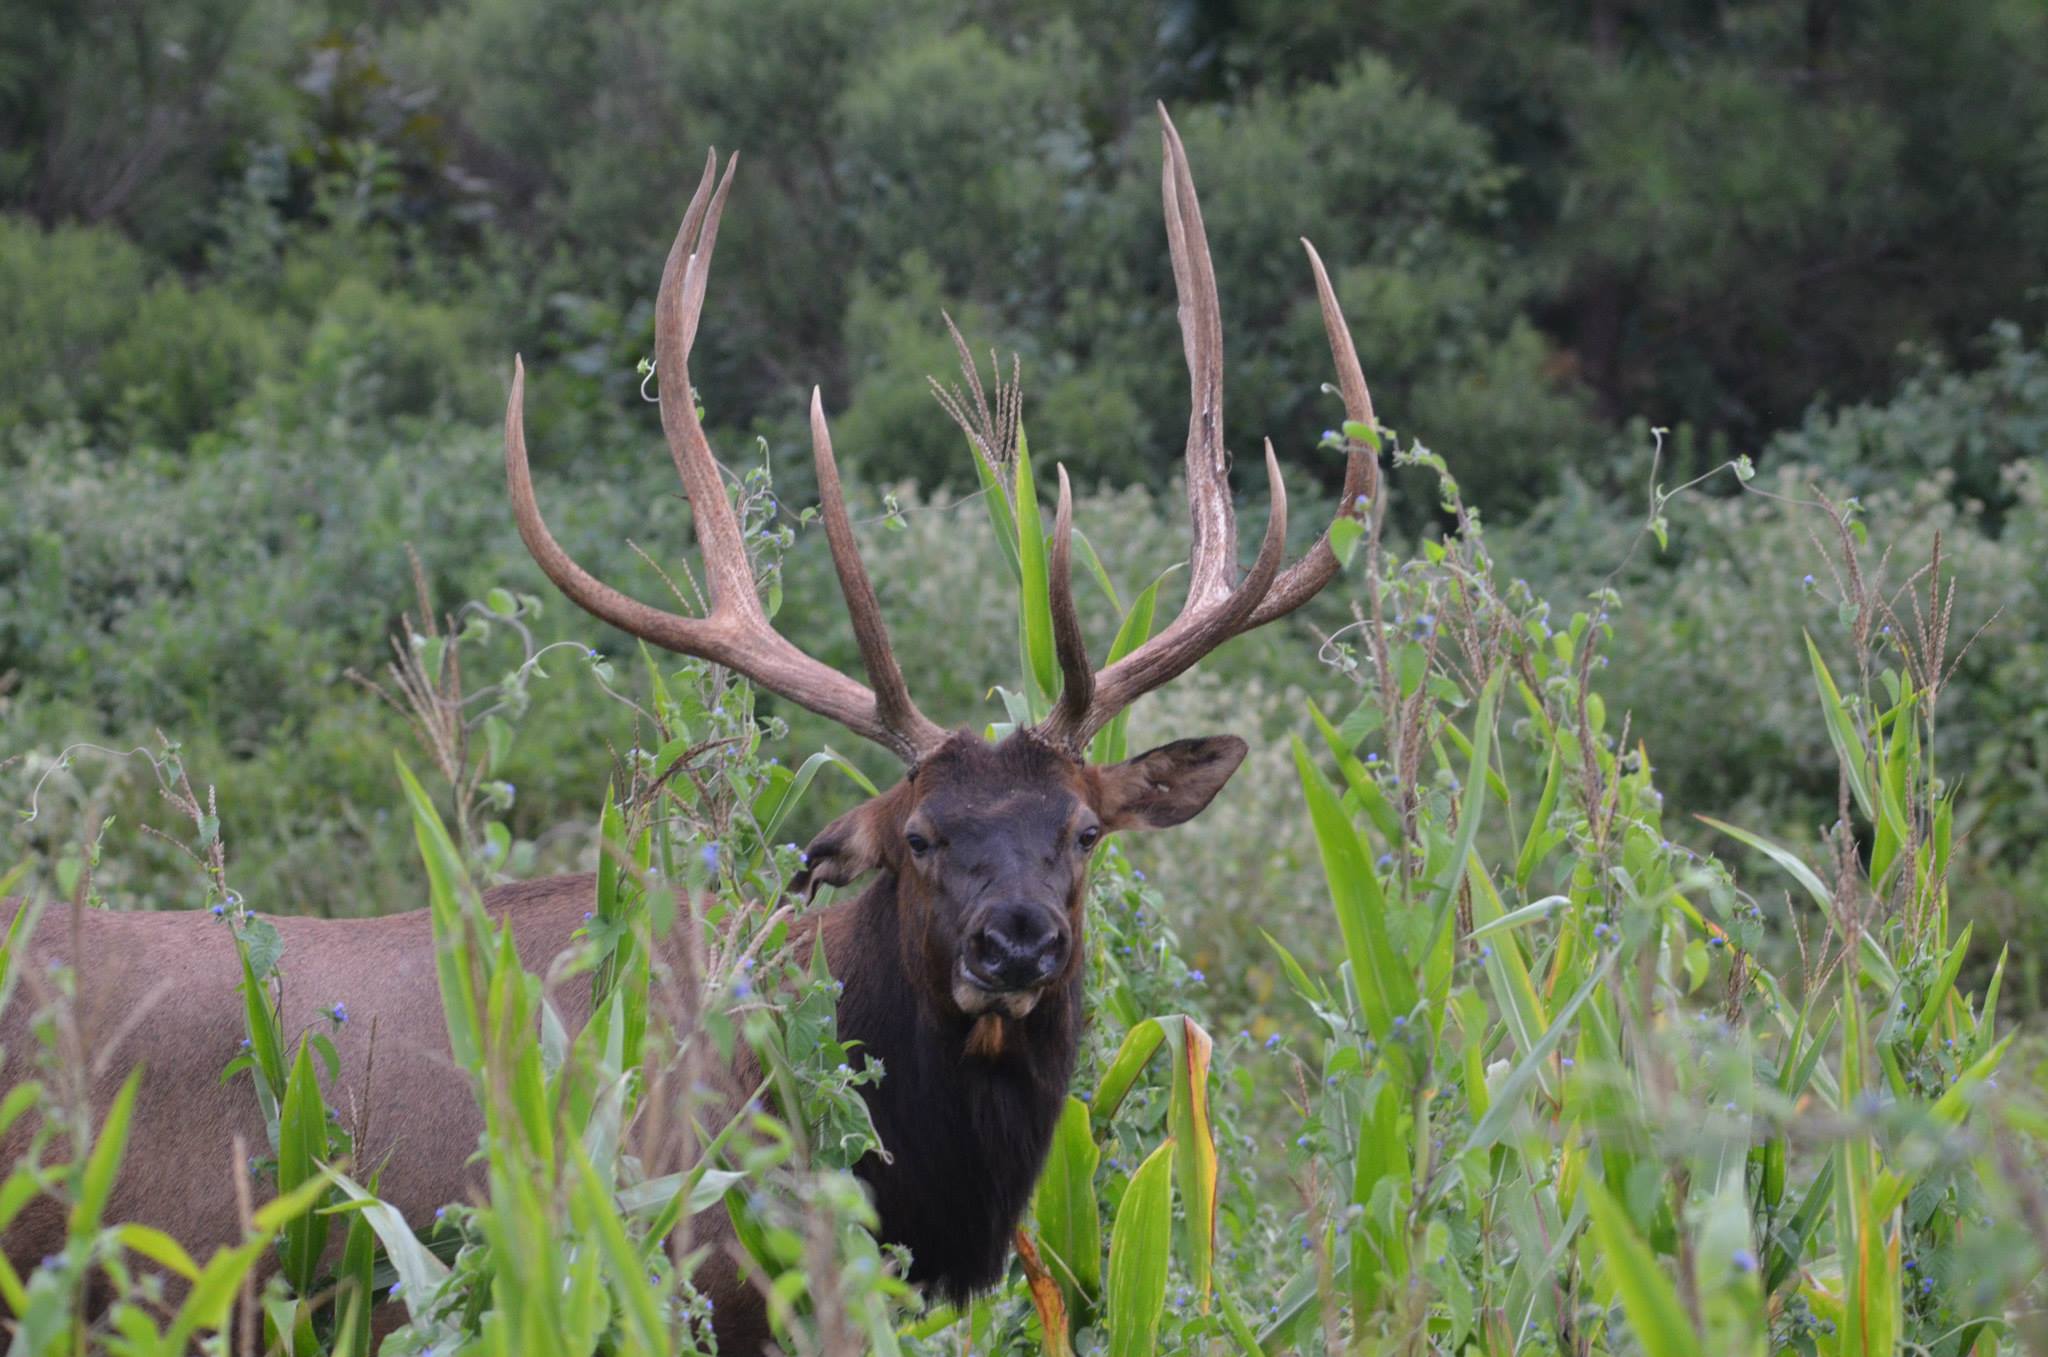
[1138, 1248]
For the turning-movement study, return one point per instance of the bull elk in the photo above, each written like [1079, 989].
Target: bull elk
[961, 961]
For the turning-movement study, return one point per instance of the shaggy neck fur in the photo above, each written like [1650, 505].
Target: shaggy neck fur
[966, 1132]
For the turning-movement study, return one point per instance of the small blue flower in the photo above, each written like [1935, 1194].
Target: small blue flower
[1361, 503]
[1272, 1041]
[1372, 758]
[710, 855]
[1196, 977]
[1566, 1061]
[1137, 875]
[1806, 583]
[219, 910]
[741, 989]
[339, 1013]
[1329, 435]
[1744, 1260]
[1384, 861]
[1717, 942]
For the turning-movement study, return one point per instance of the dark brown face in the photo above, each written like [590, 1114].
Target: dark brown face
[989, 847]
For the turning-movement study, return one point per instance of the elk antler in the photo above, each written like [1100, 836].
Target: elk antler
[736, 633]
[1215, 610]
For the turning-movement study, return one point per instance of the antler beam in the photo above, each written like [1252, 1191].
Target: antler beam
[1215, 609]
[736, 633]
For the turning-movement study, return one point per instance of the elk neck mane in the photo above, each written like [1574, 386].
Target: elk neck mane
[964, 1132]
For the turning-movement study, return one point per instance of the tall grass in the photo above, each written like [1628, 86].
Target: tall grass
[1548, 1083]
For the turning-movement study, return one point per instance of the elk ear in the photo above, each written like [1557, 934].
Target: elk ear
[845, 850]
[1168, 785]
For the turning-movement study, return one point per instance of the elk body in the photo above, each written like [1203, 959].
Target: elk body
[961, 960]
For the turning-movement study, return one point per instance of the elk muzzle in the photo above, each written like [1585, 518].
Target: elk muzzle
[1010, 953]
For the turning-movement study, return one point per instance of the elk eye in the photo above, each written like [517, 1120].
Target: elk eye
[919, 844]
[1089, 836]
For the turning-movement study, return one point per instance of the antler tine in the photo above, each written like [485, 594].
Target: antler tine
[1192, 635]
[676, 310]
[1301, 581]
[585, 590]
[1213, 556]
[893, 706]
[1077, 691]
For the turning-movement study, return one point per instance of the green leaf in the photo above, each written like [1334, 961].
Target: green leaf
[1139, 1245]
[1647, 1295]
[301, 1144]
[1345, 534]
[1358, 431]
[1842, 732]
[158, 1247]
[1034, 607]
[1110, 745]
[1507, 1100]
[995, 497]
[1194, 1140]
[1138, 1045]
[96, 1179]
[1386, 987]
[1068, 1223]
[450, 897]
[420, 1272]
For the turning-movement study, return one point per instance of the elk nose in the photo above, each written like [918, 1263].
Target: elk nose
[1016, 948]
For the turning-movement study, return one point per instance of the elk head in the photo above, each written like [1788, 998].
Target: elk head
[986, 845]
[987, 849]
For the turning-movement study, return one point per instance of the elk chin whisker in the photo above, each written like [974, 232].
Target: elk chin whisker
[977, 1000]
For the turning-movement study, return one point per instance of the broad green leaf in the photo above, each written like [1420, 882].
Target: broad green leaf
[1195, 1168]
[1139, 1245]
[1068, 1224]
[1386, 986]
[301, 1145]
[1138, 1045]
